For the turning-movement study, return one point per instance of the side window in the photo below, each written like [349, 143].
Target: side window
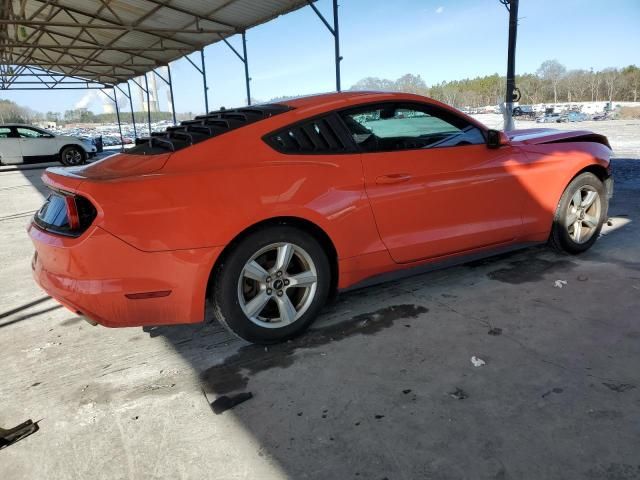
[390, 127]
[30, 133]
[5, 132]
[317, 136]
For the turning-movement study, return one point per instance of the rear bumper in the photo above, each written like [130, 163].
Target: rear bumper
[93, 274]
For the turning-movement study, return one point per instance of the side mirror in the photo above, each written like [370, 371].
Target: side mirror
[496, 139]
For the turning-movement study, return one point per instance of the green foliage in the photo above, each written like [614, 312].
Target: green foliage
[11, 112]
[551, 83]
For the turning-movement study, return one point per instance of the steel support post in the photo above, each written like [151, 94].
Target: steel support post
[168, 82]
[335, 31]
[247, 79]
[243, 58]
[173, 106]
[133, 115]
[115, 100]
[336, 40]
[511, 65]
[146, 87]
[204, 82]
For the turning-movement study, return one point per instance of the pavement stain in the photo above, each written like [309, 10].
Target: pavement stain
[228, 376]
[529, 270]
[619, 387]
[553, 390]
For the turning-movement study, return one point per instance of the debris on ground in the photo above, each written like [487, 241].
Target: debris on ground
[582, 278]
[619, 387]
[495, 331]
[458, 394]
[559, 283]
[477, 362]
[407, 390]
[378, 417]
[15, 434]
[553, 390]
[224, 403]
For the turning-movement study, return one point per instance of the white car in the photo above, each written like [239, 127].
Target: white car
[27, 144]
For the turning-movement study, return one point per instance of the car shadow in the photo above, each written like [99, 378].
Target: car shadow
[373, 389]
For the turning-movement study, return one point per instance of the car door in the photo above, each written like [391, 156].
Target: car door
[10, 148]
[36, 144]
[434, 186]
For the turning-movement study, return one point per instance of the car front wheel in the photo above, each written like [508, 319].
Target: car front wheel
[272, 285]
[72, 155]
[580, 214]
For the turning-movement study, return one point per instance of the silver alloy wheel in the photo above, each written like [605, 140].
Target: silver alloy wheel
[73, 156]
[583, 214]
[277, 285]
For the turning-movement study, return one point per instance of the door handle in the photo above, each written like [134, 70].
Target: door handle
[393, 178]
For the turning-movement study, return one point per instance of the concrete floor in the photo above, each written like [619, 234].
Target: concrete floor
[366, 394]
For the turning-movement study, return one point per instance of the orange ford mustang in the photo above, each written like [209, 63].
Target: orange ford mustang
[267, 210]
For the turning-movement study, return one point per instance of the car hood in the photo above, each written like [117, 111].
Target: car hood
[70, 138]
[537, 136]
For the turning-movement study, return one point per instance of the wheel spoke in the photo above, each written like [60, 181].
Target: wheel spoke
[571, 218]
[254, 271]
[303, 279]
[285, 253]
[286, 308]
[263, 285]
[590, 220]
[576, 200]
[256, 304]
[589, 199]
[577, 230]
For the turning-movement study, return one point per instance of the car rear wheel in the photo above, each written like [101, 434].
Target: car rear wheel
[72, 155]
[580, 214]
[272, 285]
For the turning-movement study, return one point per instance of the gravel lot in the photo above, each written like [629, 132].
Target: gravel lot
[381, 388]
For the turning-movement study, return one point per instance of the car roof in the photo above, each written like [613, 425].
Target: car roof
[356, 96]
[18, 125]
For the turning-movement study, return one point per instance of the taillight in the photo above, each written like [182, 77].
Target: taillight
[72, 212]
[65, 213]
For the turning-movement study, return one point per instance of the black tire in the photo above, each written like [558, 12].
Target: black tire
[560, 237]
[73, 155]
[226, 291]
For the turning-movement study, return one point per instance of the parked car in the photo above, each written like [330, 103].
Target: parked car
[27, 144]
[525, 111]
[601, 116]
[268, 210]
[575, 117]
[549, 118]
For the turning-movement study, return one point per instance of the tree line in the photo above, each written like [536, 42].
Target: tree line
[551, 83]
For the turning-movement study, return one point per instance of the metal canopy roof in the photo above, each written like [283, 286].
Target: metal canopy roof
[112, 41]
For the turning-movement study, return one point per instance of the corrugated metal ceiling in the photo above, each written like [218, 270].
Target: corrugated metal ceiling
[111, 41]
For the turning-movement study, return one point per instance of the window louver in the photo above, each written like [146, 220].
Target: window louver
[202, 128]
[311, 137]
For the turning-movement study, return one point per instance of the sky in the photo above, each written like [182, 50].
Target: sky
[437, 39]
